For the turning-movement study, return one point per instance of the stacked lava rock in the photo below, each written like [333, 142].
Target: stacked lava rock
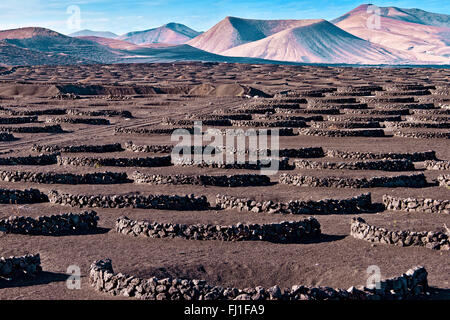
[16, 267]
[283, 232]
[55, 225]
[429, 239]
[361, 203]
[413, 283]
[162, 202]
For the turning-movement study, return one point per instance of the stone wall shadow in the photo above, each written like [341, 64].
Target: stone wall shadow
[41, 278]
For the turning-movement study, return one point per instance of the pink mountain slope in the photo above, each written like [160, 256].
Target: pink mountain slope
[428, 43]
[232, 32]
[318, 42]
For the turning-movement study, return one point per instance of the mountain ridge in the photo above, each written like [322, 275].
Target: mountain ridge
[238, 31]
[91, 33]
[171, 33]
[403, 37]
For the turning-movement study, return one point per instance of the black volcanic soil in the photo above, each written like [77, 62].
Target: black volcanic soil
[338, 260]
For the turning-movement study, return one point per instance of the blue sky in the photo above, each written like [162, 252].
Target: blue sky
[122, 16]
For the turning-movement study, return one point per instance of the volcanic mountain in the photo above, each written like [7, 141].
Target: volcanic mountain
[52, 43]
[39, 46]
[90, 33]
[232, 32]
[171, 33]
[423, 34]
[407, 15]
[318, 42]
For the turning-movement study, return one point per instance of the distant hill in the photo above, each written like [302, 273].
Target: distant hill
[39, 46]
[318, 42]
[171, 33]
[232, 32]
[423, 34]
[90, 33]
[51, 42]
[406, 15]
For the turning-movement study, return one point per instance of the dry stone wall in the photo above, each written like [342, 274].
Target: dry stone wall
[18, 120]
[162, 202]
[437, 165]
[387, 100]
[381, 111]
[28, 112]
[408, 181]
[270, 124]
[361, 203]
[283, 117]
[287, 132]
[307, 152]
[345, 125]
[429, 239]
[369, 119]
[204, 180]
[227, 116]
[64, 178]
[431, 112]
[413, 283]
[256, 110]
[309, 111]
[28, 196]
[55, 225]
[4, 136]
[428, 117]
[108, 113]
[45, 129]
[115, 162]
[92, 121]
[444, 180]
[415, 156]
[130, 146]
[423, 135]
[144, 131]
[283, 232]
[41, 160]
[384, 165]
[429, 125]
[260, 164]
[104, 148]
[416, 205]
[16, 267]
[191, 122]
[342, 133]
